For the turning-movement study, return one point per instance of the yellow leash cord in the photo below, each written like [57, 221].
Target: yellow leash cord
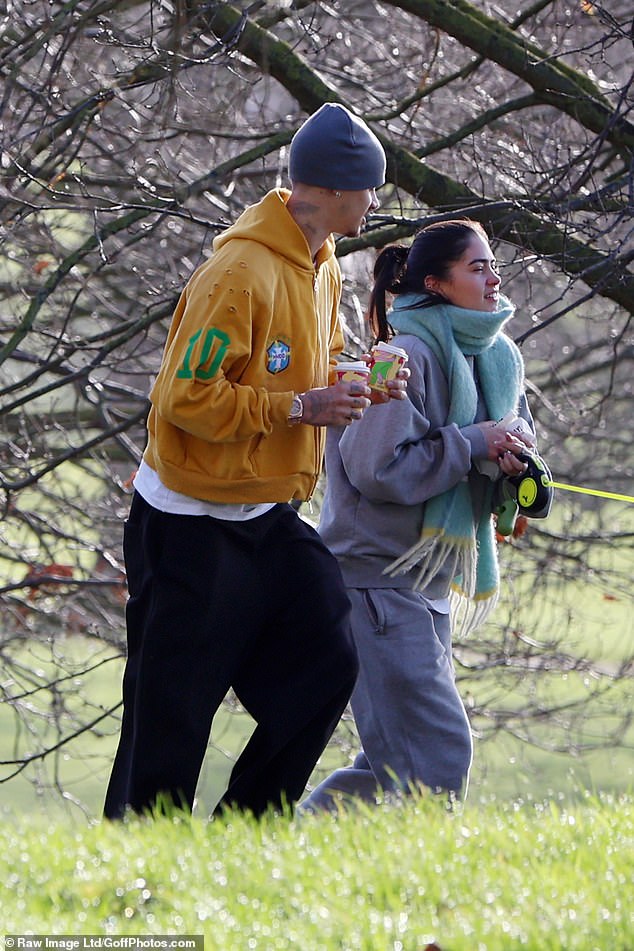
[598, 492]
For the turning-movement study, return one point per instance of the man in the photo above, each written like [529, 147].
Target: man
[228, 586]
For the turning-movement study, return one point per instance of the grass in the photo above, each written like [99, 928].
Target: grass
[489, 877]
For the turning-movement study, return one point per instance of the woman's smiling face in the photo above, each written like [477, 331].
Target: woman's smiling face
[472, 281]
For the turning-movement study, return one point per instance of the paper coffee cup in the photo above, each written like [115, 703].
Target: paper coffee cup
[349, 372]
[386, 361]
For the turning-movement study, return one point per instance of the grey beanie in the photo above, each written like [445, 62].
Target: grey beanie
[334, 149]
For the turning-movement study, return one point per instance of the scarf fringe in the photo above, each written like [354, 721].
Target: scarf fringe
[430, 553]
[434, 552]
[468, 614]
[468, 610]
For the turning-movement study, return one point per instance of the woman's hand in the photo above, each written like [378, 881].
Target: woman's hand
[504, 448]
[509, 464]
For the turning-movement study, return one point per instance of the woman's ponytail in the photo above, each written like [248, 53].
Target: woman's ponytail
[388, 270]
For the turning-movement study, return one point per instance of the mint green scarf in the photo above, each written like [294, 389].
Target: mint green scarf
[450, 536]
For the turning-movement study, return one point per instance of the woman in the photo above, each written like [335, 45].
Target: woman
[408, 505]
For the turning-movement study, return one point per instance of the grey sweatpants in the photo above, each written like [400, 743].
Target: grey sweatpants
[409, 715]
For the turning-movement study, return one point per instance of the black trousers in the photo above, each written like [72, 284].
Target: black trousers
[259, 606]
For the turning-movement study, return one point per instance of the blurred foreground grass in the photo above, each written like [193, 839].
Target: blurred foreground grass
[487, 877]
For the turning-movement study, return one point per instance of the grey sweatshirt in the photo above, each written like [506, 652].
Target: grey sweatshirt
[382, 469]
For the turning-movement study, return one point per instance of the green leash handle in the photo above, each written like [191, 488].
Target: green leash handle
[506, 517]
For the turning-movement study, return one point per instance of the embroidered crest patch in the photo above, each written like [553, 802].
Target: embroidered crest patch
[278, 356]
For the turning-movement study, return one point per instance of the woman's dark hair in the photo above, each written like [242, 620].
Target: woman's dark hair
[401, 270]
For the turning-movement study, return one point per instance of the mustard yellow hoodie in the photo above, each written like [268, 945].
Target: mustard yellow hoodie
[257, 322]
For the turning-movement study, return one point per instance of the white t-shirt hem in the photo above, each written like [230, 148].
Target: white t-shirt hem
[148, 484]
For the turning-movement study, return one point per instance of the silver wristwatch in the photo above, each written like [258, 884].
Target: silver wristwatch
[296, 410]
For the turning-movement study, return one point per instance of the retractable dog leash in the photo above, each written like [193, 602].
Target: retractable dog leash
[531, 493]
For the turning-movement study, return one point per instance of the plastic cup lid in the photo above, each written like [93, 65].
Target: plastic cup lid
[353, 365]
[390, 348]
